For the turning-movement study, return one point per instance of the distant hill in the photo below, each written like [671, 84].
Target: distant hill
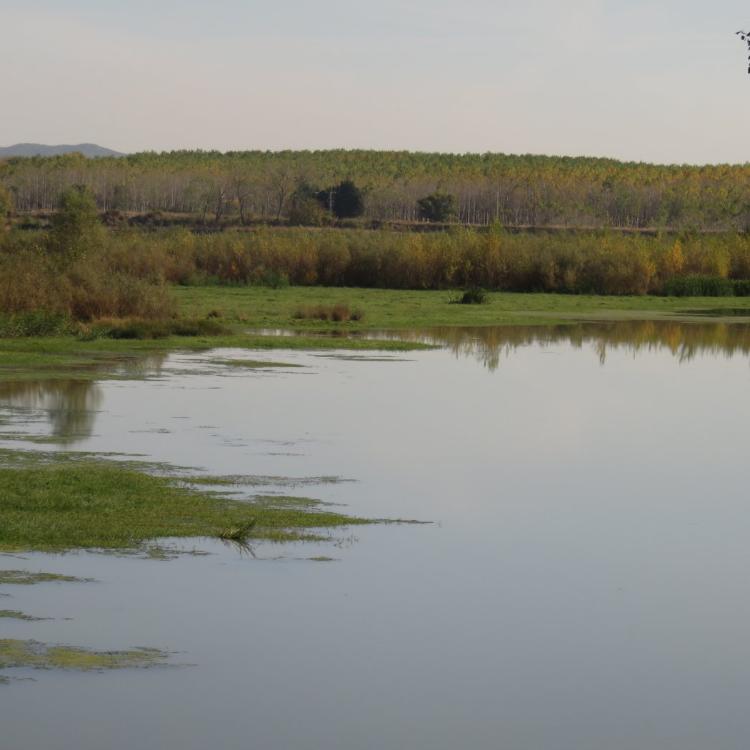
[40, 149]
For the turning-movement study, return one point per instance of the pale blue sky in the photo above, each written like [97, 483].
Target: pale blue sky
[653, 81]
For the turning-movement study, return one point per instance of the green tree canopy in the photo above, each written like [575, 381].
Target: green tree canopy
[438, 206]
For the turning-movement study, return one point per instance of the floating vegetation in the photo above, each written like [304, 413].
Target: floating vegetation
[19, 654]
[253, 364]
[27, 578]
[12, 614]
[107, 505]
[257, 480]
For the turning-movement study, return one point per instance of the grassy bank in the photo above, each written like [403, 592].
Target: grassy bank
[390, 309]
[241, 313]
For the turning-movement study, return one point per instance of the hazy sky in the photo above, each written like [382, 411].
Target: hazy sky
[653, 81]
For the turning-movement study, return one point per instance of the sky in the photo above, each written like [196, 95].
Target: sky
[661, 81]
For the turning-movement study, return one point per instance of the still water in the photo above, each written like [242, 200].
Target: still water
[583, 583]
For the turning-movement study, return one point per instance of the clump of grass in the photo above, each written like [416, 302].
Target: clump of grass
[338, 313]
[237, 533]
[18, 654]
[472, 296]
[103, 505]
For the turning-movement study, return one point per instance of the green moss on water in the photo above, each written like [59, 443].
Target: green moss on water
[19, 654]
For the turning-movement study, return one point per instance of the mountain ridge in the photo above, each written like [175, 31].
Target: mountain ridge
[90, 150]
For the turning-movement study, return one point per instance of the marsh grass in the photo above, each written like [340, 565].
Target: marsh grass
[99, 504]
[238, 533]
[127, 272]
[19, 654]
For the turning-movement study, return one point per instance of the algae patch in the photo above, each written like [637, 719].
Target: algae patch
[18, 654]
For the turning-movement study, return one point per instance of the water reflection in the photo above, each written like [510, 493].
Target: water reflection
[71, 405]
[490, 344]
[147, 366]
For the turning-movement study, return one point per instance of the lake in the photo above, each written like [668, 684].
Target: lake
[582, 582]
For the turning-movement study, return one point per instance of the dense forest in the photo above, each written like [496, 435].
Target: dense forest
[246, 187]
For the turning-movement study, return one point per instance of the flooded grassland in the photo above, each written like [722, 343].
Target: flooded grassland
[580, 583]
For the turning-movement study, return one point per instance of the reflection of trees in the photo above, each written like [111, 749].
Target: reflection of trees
[71, 405]
[684, 340]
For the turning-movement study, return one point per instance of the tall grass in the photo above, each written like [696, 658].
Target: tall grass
[127, 273]
[575, 263]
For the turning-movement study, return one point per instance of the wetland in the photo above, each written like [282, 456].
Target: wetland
[576, 579]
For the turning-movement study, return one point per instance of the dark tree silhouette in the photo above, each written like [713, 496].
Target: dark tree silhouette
[344, 201]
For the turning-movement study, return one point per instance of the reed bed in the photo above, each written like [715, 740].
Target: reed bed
[576, 263]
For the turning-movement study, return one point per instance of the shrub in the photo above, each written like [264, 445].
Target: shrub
[473, 296]
[152, 329]
[339, 313]
[76, 229]
[308, 213]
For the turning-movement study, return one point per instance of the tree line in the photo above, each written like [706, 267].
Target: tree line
[478, 189]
